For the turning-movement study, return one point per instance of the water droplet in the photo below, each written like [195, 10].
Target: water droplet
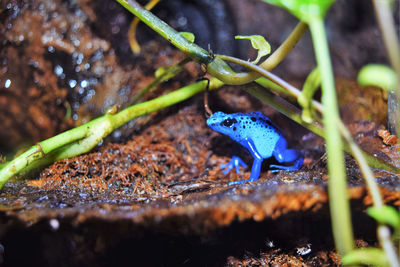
[98, 55]
[58, 70]
[7, 83]
[50, 49]
[72, 83]
[79, 58]
[33, 63]
[84, 83]
[76, 42]
[115, 29]
[55, 224]
[117, 134]
[91, 93]
[182, 21]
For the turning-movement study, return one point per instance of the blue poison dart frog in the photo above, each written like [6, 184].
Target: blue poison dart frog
[262, 139]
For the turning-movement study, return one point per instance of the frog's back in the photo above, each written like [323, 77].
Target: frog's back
[262, 132]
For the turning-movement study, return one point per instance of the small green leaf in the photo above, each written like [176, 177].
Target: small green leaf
[386, 215]
[377, 75]
[188, 35]
[259, 43]
[304, 10]
[160, 71]
[367, 256]
[164, 71]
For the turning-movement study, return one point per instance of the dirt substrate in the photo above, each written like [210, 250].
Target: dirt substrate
[153, 194]
[161, 199]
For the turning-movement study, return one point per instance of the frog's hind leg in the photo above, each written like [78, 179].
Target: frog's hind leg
[283, 154]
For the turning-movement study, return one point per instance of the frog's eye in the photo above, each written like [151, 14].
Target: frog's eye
[229, 122]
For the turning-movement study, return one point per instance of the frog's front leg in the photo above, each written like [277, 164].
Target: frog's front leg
[283, 154]
[234, 162]
[256, 168]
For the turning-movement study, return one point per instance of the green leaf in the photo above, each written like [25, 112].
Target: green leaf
[188, 35]
[386, 215]
[259, 43]
[304, 10]
[377, 75]
[367, 256]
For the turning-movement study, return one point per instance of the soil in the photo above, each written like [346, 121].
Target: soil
[152, 194]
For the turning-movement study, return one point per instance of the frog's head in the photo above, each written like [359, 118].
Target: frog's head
[224, 123]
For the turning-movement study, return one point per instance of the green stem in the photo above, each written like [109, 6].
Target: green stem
[311, 85]
[387, 245]
[386, 24]
[168, 74]
[39, 150]
[337, 185]
[284, 49]
[382, 231]
[161, 102]
[358, 154]
[290, 89]
[364, 167]
[83, 138]
[283, 107]
[175, 38]
[217, 67]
